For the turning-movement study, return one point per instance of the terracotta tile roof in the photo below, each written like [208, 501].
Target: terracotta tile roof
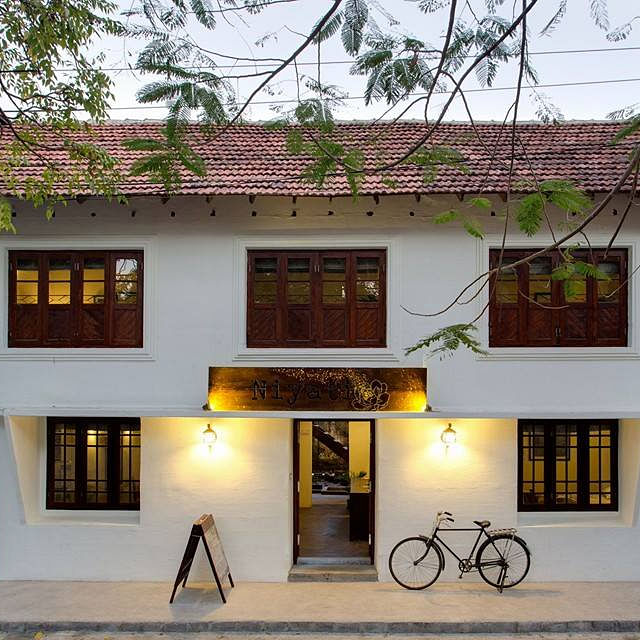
[249, 159]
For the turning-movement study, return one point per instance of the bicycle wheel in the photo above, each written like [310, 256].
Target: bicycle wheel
[415, 563]
[503, 561]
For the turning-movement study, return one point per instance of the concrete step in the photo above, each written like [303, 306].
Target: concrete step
[333, 573]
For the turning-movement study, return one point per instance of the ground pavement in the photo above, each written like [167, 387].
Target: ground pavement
[336, 608]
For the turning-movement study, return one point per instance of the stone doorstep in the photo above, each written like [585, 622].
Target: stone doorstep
[333, 573]
[302, 626]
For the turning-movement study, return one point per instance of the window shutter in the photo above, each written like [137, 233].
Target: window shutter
[368, 302]
[506, 307]
[610, 313]
[60, 283]
[26, 299]
[92, 298]
[335, 292]
[126, 283]
[299, 298]
[263, 299]
[540, 322]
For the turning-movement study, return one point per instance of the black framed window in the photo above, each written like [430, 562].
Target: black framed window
[93, 463]
[567, 465]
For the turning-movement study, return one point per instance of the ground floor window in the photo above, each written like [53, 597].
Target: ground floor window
[93, 463]
[567, 465]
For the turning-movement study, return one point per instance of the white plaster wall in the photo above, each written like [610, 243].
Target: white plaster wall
[195, 316]
[477, 479]
[245, 483]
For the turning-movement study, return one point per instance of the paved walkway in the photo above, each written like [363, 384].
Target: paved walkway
[320, 607]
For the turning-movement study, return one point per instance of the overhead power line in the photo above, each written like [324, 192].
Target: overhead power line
[343, 62]
[410, 95]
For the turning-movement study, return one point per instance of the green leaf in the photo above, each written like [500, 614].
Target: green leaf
[590, 270]
[329, 29]
[529, 213]
[446, 216]
[630, 128]
[144, 144]
[447, 340]
[482, 203]
[472, 227]
[295, 142]
[6, 223]
[565, 195]
[356, 13]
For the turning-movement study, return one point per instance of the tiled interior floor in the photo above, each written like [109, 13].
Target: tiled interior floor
[324, 530]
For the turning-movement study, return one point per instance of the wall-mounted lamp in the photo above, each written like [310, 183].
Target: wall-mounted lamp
[209, 437]
[449, 436]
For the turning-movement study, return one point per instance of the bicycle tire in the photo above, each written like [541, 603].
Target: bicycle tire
[518, 558]
[408, 552]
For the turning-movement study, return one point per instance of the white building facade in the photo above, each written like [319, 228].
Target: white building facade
[192, 296]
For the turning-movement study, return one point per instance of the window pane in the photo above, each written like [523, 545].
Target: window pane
[93, 281]
[600, 471]
[299, 280]
[334, 275]
[126, 269]
[575, 289]
[129, 466]
[507, 284]
[264, 292]
[60, 281]
[608, 289]
[266, 269]
[540, 280]
[64, 463]
[368, 268]
[97, 480]
[566, 455]
[27, 292]
[93, 293]
[126, 281]
[532, 465]
[60, 269]
[126, 292]
[367, 290]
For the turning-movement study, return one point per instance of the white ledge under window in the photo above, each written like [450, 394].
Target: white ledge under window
[316, 355]
[567, 519]
[95, 355]
[560, 353]
[85, 518]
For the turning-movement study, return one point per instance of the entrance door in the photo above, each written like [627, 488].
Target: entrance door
[333, 489]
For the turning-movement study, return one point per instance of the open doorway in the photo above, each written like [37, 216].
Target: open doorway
[334, 473]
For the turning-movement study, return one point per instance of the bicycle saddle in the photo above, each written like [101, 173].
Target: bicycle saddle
[482, 523]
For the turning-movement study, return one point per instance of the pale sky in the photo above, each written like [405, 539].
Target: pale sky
[577, 31]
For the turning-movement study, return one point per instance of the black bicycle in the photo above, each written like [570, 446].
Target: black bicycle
[503, 559]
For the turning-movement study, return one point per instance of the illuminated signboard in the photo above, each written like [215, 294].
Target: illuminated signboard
[317, 389]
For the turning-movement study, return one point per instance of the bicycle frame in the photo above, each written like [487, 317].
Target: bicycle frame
[464, 564]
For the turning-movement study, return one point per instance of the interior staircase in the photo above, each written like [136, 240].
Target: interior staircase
[331, 443]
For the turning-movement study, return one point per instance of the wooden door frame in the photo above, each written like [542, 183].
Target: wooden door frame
[296, 485]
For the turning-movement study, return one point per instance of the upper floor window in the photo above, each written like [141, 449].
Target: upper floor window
[75, 298]
[316, 298]
[93, 463]
[567, 465]
[529, 308]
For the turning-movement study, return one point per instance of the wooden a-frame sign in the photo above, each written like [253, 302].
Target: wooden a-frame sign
[204, 529]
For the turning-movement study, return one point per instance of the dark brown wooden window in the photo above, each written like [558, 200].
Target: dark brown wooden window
[93, 463]
[567, 465]
[529, 308]
[75, 298]
[316, 298]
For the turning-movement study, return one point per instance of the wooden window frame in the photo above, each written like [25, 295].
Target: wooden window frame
[78, 313]
[114, 426]
[318, 311]
[550, 451]
[523, 323]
